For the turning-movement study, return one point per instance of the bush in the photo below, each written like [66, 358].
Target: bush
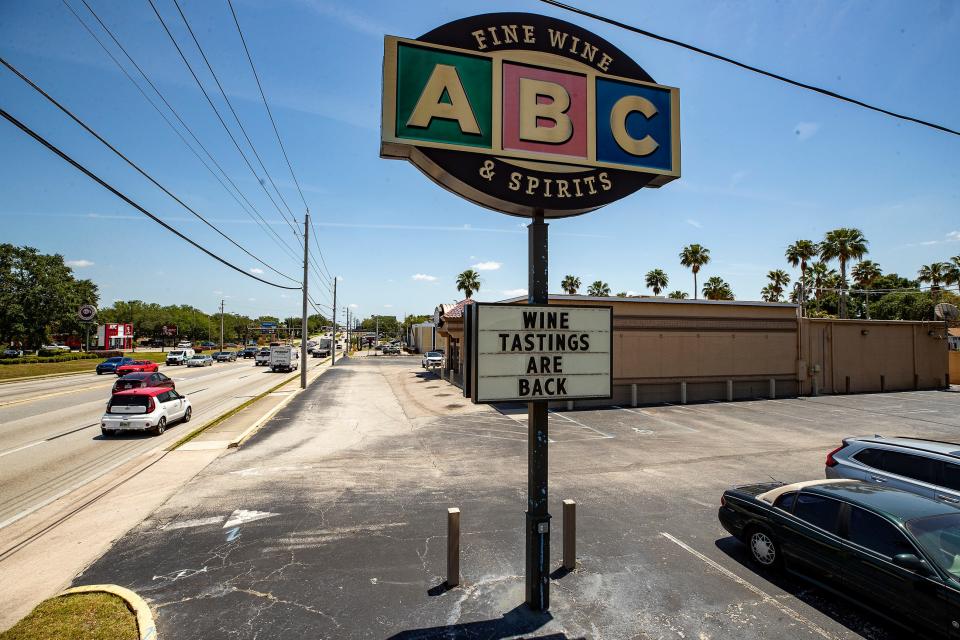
[62, 357]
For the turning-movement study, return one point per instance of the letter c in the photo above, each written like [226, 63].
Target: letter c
[618, 125]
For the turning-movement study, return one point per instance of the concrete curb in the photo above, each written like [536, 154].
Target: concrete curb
[148, 630]
[46, 375]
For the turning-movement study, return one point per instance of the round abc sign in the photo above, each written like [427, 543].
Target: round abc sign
[527, 114]
[87, 312]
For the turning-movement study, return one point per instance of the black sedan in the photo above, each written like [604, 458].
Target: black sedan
[143, 379]
[894, 552]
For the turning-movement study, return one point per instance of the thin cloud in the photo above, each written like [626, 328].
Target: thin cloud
[388, 306]
[424, 277]
[349, 18]
[806, 130]
[513, 293]
[693, 223]
[79, 264]
[354, 305]
[951, 236]
[256, 270]
[487, 266]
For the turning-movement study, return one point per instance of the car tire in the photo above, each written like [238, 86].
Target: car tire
[161, 426]
[764, 549]
[106, 432]
[99, 373]
[188, 415]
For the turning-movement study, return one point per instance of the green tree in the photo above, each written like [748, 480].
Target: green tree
[656, 280]
[468, 282]
[798, 254]
[864, 274]
[934, 273]
[953, 272]
[693, 257]
[678, 295]
[909, 305]
[769, 293]
[843, 244]
[570, 284]
[599, 289]
[779, 279]
[716, 288]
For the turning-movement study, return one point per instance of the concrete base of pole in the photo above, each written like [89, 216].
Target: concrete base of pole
[569, 405]
[729, 390]
[773, 388]
[633, 395]
[569, 535]
[683, 393]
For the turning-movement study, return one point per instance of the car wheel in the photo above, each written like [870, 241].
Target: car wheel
[99, 373]
[106, 433]
[161, 426]
[188, 414]
[764, 549]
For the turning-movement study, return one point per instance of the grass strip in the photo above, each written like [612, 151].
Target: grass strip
[40, 369]
[91, 616]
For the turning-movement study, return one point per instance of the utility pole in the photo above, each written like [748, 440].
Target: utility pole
[221, 325]
[376, 335]
[333, 334]
[303, 319]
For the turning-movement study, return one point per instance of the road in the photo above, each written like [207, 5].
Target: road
[50, 441]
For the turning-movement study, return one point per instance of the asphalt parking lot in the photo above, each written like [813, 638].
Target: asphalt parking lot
[330, 523]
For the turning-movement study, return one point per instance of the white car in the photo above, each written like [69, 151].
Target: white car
[180, 356]
[54, 347]
[144, 409]
[200, 360]
[432, 359]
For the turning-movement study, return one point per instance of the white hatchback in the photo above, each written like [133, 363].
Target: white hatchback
[146, 409]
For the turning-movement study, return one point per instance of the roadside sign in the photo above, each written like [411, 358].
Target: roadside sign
[268, 325]
[523, 353]
[168, 330]
[87, 312]
[527, 114]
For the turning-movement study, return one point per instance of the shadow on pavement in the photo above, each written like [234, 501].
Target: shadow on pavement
[519, 620]
[858, 620]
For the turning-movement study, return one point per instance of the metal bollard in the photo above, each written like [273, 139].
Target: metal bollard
[848, 385]
[569, 405]
[569, 535]
[773, 388]
[633, 395]
[816, 387]
[453, 547]
[729, 390]
[683, 393]
[883, 383]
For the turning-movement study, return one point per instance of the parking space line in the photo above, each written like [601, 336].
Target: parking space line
[478, 435]
[766, 598]
[741, 405]
[677, 425]
[473, 428]
[580, 424]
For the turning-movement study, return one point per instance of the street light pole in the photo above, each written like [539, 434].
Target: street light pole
[333, 334]
[221, 326]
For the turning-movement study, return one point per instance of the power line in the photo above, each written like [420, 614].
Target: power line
[135, 166]
[233, 111]
[133, 204]
[263, 97]
[263, 222]
[220, 118]
[748, 67]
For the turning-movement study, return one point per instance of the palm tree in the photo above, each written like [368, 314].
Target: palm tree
[657, 280]
[599, 289]
[678, 295]
[865, 274]
[468, 282]
[715, 288]
[622, 294]
[953, 272]
[934, 273]
[770, 293]
[694, 256]
[779, 279]
[570, 284]
[819, 273]
[843, 244]
[797, 254]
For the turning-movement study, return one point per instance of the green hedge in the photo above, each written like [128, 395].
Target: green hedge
[62, 357]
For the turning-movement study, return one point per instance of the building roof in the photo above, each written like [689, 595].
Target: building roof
[654, 299]
[456, 310]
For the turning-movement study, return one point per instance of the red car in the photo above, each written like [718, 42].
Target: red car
[141, 380]
[137, 366]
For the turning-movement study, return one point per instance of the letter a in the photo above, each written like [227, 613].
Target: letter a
[531, 111]
[444, 79]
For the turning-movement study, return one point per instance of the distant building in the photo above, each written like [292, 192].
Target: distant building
[115, 335]
[422, 337]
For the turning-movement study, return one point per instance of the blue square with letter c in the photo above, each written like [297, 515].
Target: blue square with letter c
[633, 125]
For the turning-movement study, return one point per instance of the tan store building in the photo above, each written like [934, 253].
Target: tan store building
[668, 350]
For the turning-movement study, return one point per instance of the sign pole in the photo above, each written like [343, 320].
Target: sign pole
[538, 517]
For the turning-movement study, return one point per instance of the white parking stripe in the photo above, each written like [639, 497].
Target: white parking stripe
[768, 599]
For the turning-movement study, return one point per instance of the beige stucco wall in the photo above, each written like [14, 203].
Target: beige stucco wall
[955, 367]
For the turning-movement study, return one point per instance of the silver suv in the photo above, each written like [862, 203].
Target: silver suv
[928, 467]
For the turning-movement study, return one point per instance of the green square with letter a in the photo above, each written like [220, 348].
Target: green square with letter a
[444, 97]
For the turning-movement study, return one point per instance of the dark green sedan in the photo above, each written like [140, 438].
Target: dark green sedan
[894, 552]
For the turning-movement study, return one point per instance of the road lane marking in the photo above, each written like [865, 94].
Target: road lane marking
[48, 395]
[768, 599]
[66, 433]
[196, 522]
[242, 516]
[26, 446]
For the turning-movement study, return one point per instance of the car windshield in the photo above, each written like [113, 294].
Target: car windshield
[176, 353]
[113, 359]
[940, 538]
[198, 357]
[433, 354]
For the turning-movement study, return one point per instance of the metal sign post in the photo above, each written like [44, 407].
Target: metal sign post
[538, 516]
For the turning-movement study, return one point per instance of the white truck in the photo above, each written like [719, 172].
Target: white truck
[180, 356]
[284, 358]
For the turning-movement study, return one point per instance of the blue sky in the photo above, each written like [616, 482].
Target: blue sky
[763, 163]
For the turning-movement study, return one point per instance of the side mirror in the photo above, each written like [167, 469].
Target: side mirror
[910, 562]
